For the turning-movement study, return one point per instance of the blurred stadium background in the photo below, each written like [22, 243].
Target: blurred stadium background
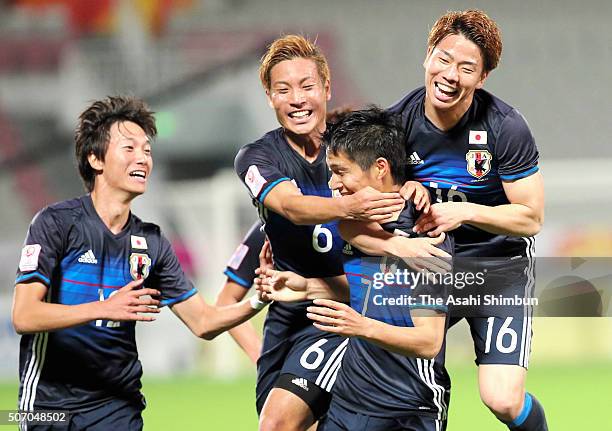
[195, 62]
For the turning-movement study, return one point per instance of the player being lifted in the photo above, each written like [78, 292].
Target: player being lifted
[90, 269]
[286, 175]
[391, 376]
[477, 155]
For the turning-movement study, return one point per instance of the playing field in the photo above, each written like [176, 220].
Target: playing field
[575, 397]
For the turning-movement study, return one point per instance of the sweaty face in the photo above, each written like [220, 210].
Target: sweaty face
[347, 177]
[128, 162]
[453, 71]
[298, 96]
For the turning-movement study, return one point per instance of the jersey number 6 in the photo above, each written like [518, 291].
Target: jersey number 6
[327, 235]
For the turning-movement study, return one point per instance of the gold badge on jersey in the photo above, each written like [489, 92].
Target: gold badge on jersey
[478, 162]
[140, 264]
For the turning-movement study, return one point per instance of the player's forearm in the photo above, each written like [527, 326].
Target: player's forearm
[43, 317]
[244, 334]
[308, 210]
[218, 319]
[510, 219]
[419, 341]
[335, 288]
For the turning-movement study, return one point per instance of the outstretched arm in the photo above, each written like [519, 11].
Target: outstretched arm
[287, 286]
[207, 321]
[32, 314]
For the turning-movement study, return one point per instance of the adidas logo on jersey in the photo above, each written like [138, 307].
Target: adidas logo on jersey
[88, 257]
[347, 249]
[415, 159]
[302, 383]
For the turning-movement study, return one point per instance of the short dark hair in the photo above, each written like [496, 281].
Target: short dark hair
[366, 135]
[92, 134]
[474, 25]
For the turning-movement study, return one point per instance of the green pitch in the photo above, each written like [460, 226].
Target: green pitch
[575, 397]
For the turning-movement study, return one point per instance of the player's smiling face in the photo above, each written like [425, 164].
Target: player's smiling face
[127, 163]
[454, 69]
[348, 177]
[299, 97]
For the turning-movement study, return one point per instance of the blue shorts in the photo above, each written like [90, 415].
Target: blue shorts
[115, 414]
[502, 334]
[309, 358]
[339, 418]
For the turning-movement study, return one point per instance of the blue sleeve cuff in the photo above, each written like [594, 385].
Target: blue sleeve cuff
[234, 277]
[269, 187]
[184, 296]
[32, 275]
[521, 175]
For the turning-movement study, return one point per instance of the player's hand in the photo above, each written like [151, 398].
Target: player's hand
[422, 254]
[372, 205]
[283, 286]
[129, 302]
[418, 194]
[336, 317]
[443, 217]
[265, 256]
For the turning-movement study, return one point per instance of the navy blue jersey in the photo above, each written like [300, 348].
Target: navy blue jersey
[69, 249]
[490, 144]
[245, 260]
[310, 251]
[373, 380]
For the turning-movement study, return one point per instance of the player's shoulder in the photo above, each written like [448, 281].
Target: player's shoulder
[146, 227]
[405, 221]
[61, 212]
[268, 146]
[408, 101]
[497, 111]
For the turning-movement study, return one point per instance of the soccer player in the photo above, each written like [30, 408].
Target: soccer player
[240, 273]
[478, 157]
[287, 177]
[392, 376]
[90, 269]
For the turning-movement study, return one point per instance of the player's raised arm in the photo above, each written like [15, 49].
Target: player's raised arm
[424, 340]
[266, 184]
[31, 314]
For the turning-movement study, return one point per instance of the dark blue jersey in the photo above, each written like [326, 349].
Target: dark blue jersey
[310, 250]
[245, 260]
[69, 249]
[373, 380]
[490, 144]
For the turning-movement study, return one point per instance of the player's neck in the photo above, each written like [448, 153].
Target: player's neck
[113, 208]
[307, 146]
[446, 119]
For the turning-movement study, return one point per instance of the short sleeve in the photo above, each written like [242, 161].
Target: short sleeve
[245, 260]
[515, 148]
[42, 250]
[258, 170]
[168, 277]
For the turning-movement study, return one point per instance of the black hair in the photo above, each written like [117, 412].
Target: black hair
[93, 131]
[365, 135]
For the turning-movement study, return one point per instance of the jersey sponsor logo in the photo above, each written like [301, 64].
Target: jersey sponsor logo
[140, 264]
[478, 162]
[415, 159]
[138, 242]
[477, 137]
[238, 256]
[29, 257]
[301, 382]
[254, 180]
[88, 257]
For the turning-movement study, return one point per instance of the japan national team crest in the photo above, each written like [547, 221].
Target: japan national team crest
[478, 162]
[140, 264]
